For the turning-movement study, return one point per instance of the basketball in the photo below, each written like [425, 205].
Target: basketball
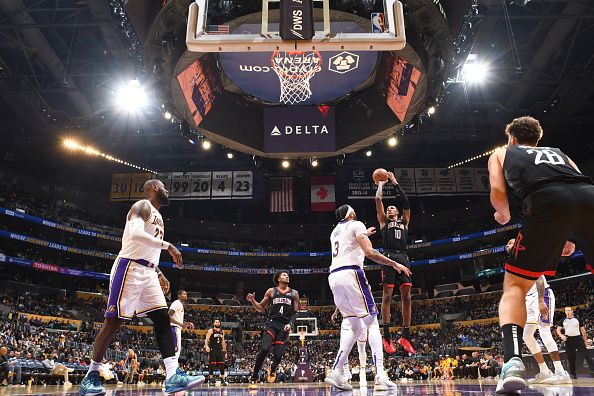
[380, 174]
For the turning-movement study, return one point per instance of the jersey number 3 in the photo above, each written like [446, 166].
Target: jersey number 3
[335, 250]
[551, 157]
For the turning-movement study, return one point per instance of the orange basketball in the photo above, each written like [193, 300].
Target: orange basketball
[380, 174]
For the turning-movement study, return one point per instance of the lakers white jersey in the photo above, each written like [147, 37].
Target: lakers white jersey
[136, 251]
[533, 291]
[345, 248]
[178, 309]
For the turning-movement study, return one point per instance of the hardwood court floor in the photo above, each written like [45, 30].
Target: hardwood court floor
[580, 387]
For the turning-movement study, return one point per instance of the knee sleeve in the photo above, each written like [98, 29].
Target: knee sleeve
[162, 327]
[547, 338]
[529, 339]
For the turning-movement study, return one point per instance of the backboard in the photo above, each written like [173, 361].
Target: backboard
[388, 34]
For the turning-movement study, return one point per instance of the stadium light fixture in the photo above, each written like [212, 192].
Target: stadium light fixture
[191, 141]
[485, 154]
[230, 155]
[431, 110]
[73, 145]
[131, 96]
[474, 71]
[286, 164]
[206, 145]
[392, 141]
[167, 115]
[314, 163]
[369, 153]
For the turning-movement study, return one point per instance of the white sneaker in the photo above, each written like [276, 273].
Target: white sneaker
[383, 383]
[338, 381]
[561, 378]
[348, 375]
[542, 378]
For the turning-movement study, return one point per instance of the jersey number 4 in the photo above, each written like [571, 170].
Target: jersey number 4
[551, 157]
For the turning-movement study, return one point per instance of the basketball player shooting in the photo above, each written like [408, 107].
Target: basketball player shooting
[394, 229]
[558, 202]
[352, 295]
[284, 304]
[135, 288]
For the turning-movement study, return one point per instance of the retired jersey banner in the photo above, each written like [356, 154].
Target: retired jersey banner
[445, 180]
[425, 180]
[323, 197]
[406, 179]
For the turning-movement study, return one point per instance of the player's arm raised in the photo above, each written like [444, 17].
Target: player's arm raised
[291, 324]
[376, 256]
[379, 205]
[260, 306]
[499, 199]
[138, 214]
[207, 339]
[403, 198]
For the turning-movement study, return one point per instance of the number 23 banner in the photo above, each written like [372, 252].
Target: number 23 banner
[195, 185]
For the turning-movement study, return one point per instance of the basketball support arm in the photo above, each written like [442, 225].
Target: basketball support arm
[197, 40]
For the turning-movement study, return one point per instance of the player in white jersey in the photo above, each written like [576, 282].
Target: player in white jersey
[540, 309]
[352, 295]
[176, 316]
[137, 286]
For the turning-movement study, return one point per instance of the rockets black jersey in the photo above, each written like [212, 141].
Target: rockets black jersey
[281, 308]
[527, 169]
[394, 235]
[216, 340]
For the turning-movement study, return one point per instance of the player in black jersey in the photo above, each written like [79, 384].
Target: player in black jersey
[216, 347]
[284, 304]
[558, 204]
[394, 229]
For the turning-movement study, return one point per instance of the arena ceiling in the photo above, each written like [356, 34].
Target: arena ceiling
[60, 62]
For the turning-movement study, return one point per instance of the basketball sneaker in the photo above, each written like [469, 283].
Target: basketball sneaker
[542, 378]
[388, 346]
[92, 384]
[338, 381]
[512, 375]
[181, 381]
[383, 383]
[563, 378]
[407, 345]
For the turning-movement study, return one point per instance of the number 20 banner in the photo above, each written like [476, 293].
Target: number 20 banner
[193, 185]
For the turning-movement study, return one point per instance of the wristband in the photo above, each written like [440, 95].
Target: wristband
[165, 245]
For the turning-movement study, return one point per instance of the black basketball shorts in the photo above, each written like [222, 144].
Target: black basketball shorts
[216, 356]
[390, 276]
[277, 331]
[552, 215]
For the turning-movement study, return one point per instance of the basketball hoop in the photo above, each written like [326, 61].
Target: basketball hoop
[294, 70]
[302, 330]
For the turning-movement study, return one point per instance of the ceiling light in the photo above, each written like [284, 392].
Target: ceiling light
[230, 155]
[314, 163]
[286, 164]
[131, 96]
[475, 72]
[167, 115]
[392, 141]
[431, 110]
[368, 153]
[206, 145]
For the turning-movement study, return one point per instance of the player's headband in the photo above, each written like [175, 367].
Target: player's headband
[349, 211]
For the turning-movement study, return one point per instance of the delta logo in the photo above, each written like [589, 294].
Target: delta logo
[300, 130]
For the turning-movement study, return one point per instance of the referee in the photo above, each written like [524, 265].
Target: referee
[575, 339]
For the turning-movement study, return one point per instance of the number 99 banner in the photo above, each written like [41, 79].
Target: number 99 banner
[191, 185]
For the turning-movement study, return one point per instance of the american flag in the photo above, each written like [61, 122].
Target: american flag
[217, 29]
[281, 194]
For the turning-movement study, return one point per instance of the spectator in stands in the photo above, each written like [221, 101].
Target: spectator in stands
[15, 368]
[56, 368]
[4, 370]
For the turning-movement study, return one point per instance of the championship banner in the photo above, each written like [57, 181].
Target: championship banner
[465, 179]
[425, 180]
[361, 186]
[445, 180]
[406, 179]
[481, 182]
[323, 197]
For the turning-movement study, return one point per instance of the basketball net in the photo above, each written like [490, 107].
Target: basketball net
[302, 332]
[294, 70]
